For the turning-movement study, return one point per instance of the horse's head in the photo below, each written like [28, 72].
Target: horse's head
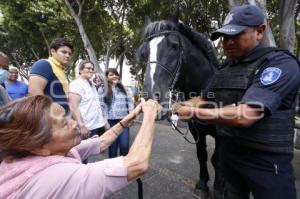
[174, 62]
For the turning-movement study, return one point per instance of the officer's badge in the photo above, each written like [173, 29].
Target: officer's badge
[270, 75]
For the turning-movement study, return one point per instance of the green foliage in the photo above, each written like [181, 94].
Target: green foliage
[27, 27]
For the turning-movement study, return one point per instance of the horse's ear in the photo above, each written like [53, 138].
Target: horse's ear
[175, 17]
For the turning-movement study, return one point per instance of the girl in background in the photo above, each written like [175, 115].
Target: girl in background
[116, 105]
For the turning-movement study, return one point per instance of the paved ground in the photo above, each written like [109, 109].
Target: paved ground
[174, 168]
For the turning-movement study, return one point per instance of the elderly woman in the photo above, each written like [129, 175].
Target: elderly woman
[43, 150]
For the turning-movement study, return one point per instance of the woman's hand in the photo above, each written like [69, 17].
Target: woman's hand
[138, 157]
[84, 132]
[150, 108]
[138, 108]
[128, 119]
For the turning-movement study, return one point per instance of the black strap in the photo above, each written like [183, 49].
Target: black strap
[140, 188]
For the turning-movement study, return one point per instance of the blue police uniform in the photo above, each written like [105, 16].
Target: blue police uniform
[258, 159]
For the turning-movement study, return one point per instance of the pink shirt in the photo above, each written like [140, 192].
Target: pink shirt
[71, 180]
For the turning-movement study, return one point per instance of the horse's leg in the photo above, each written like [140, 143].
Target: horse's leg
[201, 188]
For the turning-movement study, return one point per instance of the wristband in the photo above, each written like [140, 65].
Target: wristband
[122, 125]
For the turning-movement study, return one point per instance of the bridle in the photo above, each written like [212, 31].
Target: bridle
[174, 75]
[173, 93]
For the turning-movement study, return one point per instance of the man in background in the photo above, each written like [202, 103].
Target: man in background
[16, 89]
[47, 76]
[4, 61]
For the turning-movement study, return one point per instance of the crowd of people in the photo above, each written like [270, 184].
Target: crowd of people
[63, 124]
[50, 127]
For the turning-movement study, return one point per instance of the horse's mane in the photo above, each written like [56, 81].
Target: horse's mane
[197, 39]
[158, 27]
[201, 41]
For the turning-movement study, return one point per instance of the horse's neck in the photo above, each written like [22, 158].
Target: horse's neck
[196, 80]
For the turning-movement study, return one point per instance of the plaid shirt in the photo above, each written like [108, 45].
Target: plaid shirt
[120, 106]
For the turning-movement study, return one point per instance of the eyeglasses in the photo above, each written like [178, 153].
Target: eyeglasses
[89, 68]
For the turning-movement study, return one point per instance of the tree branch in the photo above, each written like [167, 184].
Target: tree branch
[80, 7]
[71, 8]
[46, 41]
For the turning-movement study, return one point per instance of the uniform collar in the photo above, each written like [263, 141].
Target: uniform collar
[252, 55]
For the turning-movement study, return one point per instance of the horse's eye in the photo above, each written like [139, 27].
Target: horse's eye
[175, 46]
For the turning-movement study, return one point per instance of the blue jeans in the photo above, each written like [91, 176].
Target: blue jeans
[121, 142]
[98, 131]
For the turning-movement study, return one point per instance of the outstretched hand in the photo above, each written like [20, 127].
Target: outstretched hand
[84, 132]
[150, 107]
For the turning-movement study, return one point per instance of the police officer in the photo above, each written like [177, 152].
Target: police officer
[255, 91]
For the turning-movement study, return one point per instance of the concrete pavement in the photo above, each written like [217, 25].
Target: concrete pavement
[174, 168]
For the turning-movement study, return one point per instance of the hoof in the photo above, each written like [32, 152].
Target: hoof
[201, 193]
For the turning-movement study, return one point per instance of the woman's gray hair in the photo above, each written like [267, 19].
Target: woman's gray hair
[13, 68]
[83, 63]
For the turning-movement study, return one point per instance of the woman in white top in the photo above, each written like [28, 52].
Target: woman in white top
[84, 101]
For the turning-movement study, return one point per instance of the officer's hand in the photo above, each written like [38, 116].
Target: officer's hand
[184, 112]
[194, 102]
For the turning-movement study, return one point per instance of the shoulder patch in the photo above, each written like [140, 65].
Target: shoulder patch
[270, 75]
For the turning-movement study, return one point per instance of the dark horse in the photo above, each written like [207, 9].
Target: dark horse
[181, 59]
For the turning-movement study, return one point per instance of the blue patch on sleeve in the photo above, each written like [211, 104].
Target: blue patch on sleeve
[270, 75]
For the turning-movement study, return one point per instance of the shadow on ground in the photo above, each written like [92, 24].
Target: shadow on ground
[174, 167]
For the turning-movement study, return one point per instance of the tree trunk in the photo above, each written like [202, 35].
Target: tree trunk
[108, 53]
[287, 24]
[46, 41]
[233, 3]
[120, 59]
[121, 65]
[268, 37]
[110, 49]
[87, 44]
